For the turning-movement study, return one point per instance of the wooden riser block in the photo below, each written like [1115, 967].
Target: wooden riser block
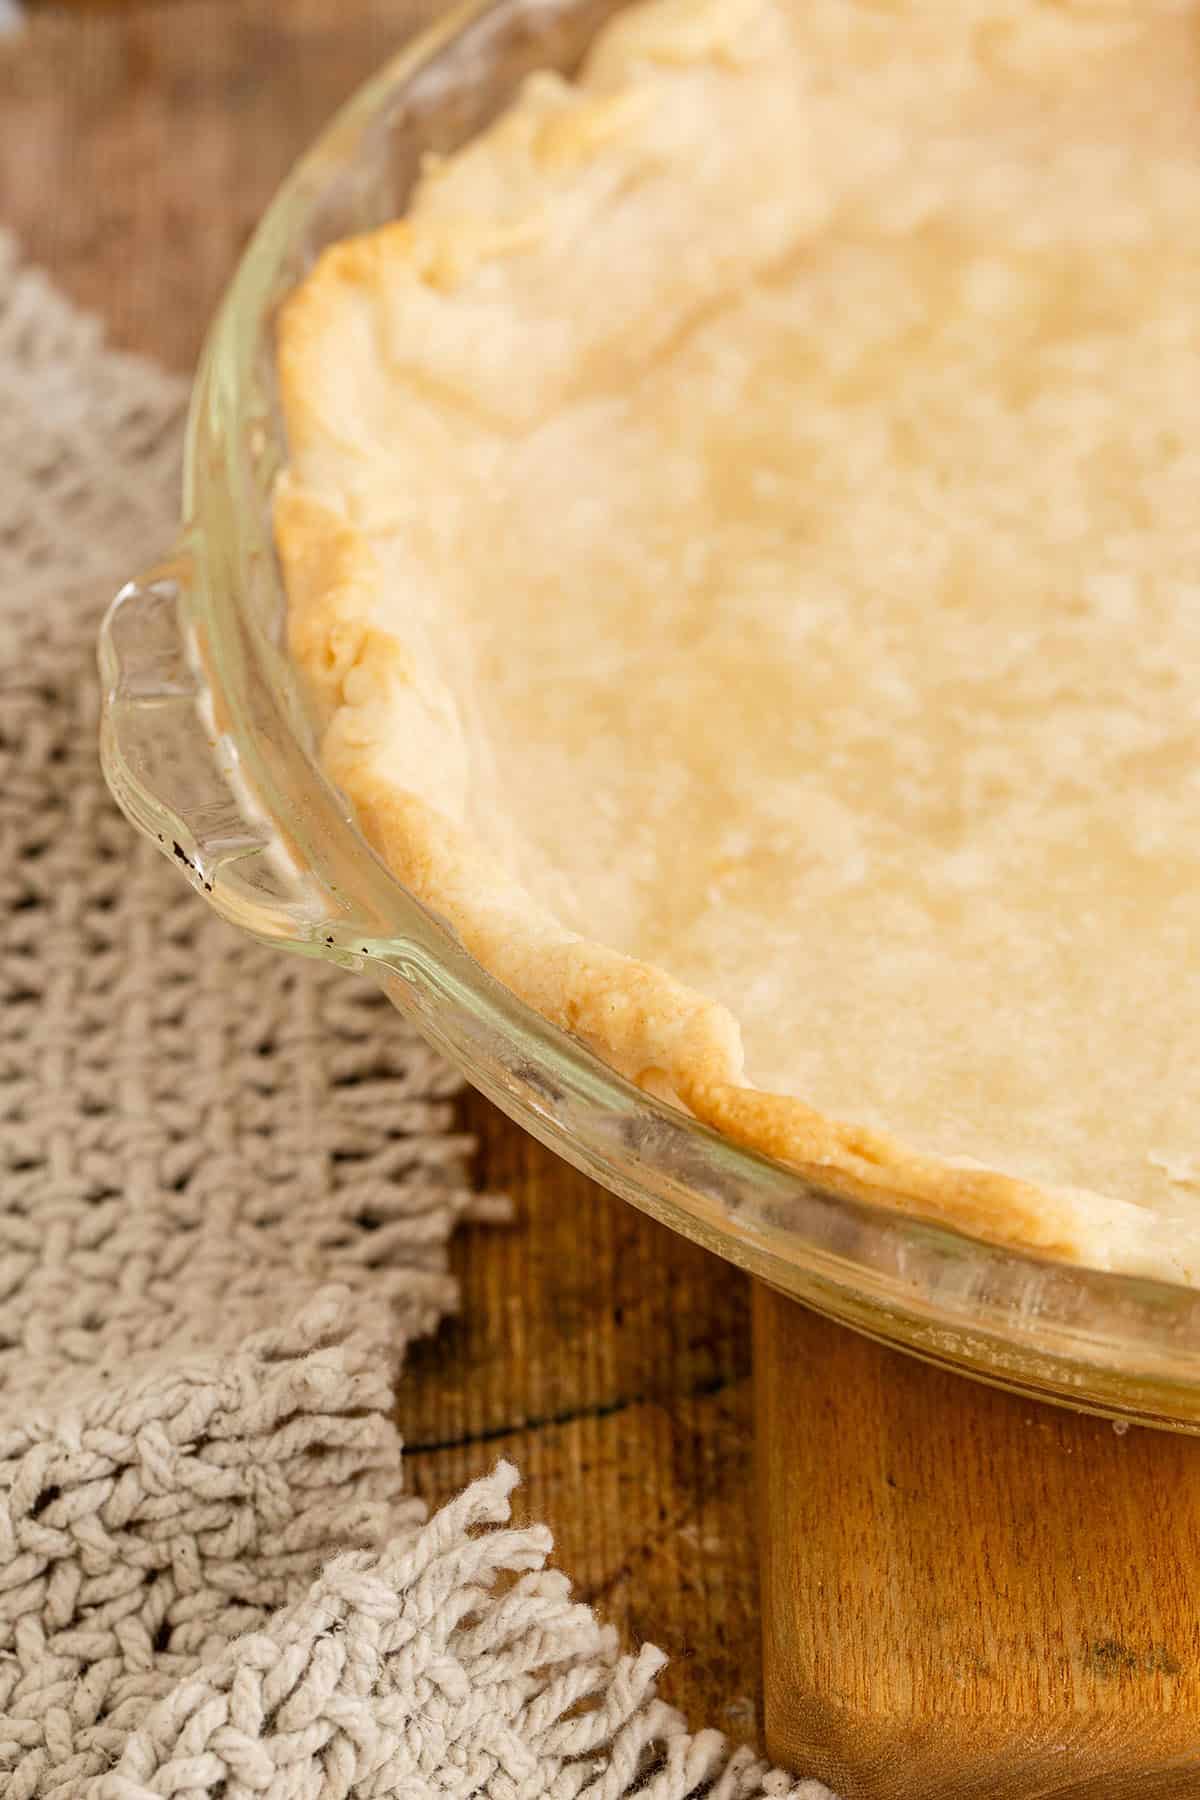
[967, 1595]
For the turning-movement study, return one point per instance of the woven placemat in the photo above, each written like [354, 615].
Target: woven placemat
[217, 1236]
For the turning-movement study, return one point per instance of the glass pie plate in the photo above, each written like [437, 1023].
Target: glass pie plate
[207, 747]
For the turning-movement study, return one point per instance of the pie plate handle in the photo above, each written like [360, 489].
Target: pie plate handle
[176, 775]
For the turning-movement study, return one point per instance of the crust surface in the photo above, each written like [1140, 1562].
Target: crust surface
[742, 549]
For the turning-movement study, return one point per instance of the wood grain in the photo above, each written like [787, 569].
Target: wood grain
[967, 1596]
[611, 1362]
[608, 1358]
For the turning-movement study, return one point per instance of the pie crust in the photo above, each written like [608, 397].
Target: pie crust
[742, 547]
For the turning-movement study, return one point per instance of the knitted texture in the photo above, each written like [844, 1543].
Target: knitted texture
[227, 1181]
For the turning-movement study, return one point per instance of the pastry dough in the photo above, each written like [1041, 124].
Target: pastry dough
[742, 537]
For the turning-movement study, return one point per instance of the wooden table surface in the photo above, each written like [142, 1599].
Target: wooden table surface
[609, 1359]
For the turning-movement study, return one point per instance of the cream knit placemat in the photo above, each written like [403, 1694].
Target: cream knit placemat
[214, 1247]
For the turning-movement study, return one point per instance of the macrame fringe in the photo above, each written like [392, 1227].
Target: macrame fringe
[451, 1661]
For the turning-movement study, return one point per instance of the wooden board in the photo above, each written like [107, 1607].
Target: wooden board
[606, 1357]
[966, 1595]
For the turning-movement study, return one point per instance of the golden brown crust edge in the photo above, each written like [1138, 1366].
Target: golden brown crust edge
[368, 687]
[636, 1017]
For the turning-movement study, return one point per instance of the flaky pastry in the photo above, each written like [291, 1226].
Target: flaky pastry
[742, 538]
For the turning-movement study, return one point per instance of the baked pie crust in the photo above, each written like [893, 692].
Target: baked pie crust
[742, 539]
